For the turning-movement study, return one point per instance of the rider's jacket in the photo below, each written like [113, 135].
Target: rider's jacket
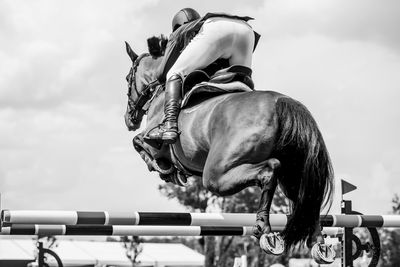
[179, 39]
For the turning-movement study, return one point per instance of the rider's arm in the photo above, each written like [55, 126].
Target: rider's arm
[172, 53]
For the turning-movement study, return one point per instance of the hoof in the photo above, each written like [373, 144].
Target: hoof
[272, 243]
[159, 165]
[323, 254]
[180, 179]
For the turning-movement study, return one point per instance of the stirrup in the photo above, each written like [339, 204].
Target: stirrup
[169, 132]
[170, 136]
[162, 133]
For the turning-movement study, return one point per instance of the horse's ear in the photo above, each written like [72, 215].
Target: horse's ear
[130, 52]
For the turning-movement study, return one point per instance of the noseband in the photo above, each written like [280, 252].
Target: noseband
[136, 111]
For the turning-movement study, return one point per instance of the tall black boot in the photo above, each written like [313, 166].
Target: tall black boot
[173, 94]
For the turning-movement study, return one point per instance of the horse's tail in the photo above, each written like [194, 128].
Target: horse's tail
[306, 173]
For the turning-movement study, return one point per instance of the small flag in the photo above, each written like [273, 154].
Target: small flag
[347, 187]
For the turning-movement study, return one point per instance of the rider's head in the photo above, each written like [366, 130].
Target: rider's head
[184, 16]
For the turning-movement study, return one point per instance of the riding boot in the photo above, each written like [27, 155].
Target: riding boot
[169, 131]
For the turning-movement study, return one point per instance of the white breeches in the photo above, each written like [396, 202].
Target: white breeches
[218, 38]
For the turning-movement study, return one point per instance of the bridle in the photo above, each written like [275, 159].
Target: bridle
[136, 110]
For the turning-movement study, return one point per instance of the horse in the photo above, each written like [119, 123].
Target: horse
[236, 140]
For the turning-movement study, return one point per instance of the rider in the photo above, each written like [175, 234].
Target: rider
[195, 43]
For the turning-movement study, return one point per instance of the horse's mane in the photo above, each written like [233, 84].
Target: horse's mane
[157, 45]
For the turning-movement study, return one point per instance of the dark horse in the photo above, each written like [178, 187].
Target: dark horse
[237, 140]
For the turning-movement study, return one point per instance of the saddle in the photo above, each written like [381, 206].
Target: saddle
[199, 85]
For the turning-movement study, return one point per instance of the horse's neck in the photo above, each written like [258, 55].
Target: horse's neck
[156, 110]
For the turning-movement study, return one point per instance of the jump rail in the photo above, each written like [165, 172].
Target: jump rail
[104, 223]
[277, 221]
[47, 223]
[131, 218]
[123, 230]
[139, 230]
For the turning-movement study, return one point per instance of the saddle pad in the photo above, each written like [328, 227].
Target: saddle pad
[211, 89]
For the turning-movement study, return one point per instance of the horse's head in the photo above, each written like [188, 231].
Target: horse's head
[142, 79]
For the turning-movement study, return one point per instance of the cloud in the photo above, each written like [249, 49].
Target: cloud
[73, 158]
[52, 53]
[376, 190]
[360, 20]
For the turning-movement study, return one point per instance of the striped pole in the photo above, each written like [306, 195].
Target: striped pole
[136, 230]
[132, 218]
[353, 221]
[123, 230]
[183, 219]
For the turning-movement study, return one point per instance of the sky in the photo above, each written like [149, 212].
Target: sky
[63, 141]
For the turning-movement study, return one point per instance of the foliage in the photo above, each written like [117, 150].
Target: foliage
[193, 196]
[133, 248]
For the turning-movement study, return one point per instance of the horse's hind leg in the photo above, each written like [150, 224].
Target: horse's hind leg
[321, 252]
[268, 183]
[224, 176]
[227, 180]
[268, 177]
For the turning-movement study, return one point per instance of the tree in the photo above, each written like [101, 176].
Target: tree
[133, 248]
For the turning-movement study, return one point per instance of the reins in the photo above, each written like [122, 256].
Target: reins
[144, 96]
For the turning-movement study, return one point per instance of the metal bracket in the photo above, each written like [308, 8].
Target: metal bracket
[42, 257]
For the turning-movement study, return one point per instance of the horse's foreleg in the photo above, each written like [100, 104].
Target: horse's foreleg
[163, 167]
[139, 147]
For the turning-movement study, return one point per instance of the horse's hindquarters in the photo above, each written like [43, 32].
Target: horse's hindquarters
[230, 137]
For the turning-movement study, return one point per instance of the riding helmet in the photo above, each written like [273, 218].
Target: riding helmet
[184, 16]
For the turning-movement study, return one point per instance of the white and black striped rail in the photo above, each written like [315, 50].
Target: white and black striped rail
[124, 230]
[182, 219]
[131, 218]
[137, 230]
